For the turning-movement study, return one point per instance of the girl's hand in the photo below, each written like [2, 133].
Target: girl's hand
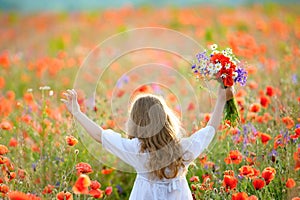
[225, 94]
[71, 101]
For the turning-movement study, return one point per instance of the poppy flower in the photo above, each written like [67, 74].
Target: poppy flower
[296, 198]
[108, 190]
[13, 142]
[265, 138]
[268, 174]
[106, 171]
[270, 91]
[4, 188]
[289, 122]
[255, 107]
[48, 189]
[240, 196]
[96, 193]
[6, 125]
[82, 184]
[290, 183]
[296, 157]
[248, 171]
[194, 179]
[71, 140]
[95, 185]
[297, 134]
[264, 101]
[64, 196]
[83, 168]
[16, 195]
[3, 149]
[234, 157]
[258, 183]
[229, 181]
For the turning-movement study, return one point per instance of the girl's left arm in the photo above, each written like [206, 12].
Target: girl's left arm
[93, 129]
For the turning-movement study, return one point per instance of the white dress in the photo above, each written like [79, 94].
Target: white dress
[168, 189]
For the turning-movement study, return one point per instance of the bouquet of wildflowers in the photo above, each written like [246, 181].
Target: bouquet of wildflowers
[222, 65]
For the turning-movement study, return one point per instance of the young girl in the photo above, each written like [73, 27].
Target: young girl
[154, 148]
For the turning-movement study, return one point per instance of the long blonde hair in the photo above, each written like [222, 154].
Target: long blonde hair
[156, 126]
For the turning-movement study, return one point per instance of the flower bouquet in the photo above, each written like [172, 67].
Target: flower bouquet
[223, 66]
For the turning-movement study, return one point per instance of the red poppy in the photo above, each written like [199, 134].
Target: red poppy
[234, 157]
[255, 107]
[3, 149]
[289, 122]
[64, 196]
[270, 91]
[290, 183]
[13, 142]
[264, 101]
[6, 125]
[296, 157]
[48, 189]
[248, 171]
[194, 179]
[108, 190]
[107, 171]
[240, 196]
[229, 181]
[95, 185]
[268, 174]
[258, 183]
[297, 134]
[71, 140]
[4, 188]
[265, 138]
[82, 184]
[83, 168]
[16, 195]
[96, 193]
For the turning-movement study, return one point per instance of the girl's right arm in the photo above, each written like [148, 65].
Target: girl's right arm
[93, 129]
[223, 96]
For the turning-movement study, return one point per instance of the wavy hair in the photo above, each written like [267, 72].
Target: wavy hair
[156, 126]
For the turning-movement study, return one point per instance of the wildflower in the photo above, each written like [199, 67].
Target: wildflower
[270, 91]
[290, 183]
[95, 185]
[96, 193]
[71, 140]
[82, 184]
[194, 179]
[268, 174]
[252, 197]
[106, 171]
[255, 107]
[108, 190]
[234, 157]
[248, 171]
[64, 196]
[265, 138]
[83, 168]
[6, 125]
[4, 189]
[13, 142]
[289, 122]
[264, 101]
[3, 149]
[296, 157]
[258, 183]
[213, 46]
[229, 180]
[48, 189]
[296, 135]
[16, 195]
[240, 196]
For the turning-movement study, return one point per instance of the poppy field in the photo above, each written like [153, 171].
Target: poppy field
[42, 155]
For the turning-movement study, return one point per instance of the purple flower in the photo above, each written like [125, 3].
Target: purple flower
[297, 125]
[202, 56]
[241, 77]
[294, 78]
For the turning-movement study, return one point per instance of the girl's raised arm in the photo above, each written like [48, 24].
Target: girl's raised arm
[223, 96]
[93, 129]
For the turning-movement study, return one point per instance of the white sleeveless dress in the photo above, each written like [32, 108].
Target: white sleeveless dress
[177, 188]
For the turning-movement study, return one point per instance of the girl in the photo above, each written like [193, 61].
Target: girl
[160, 157]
